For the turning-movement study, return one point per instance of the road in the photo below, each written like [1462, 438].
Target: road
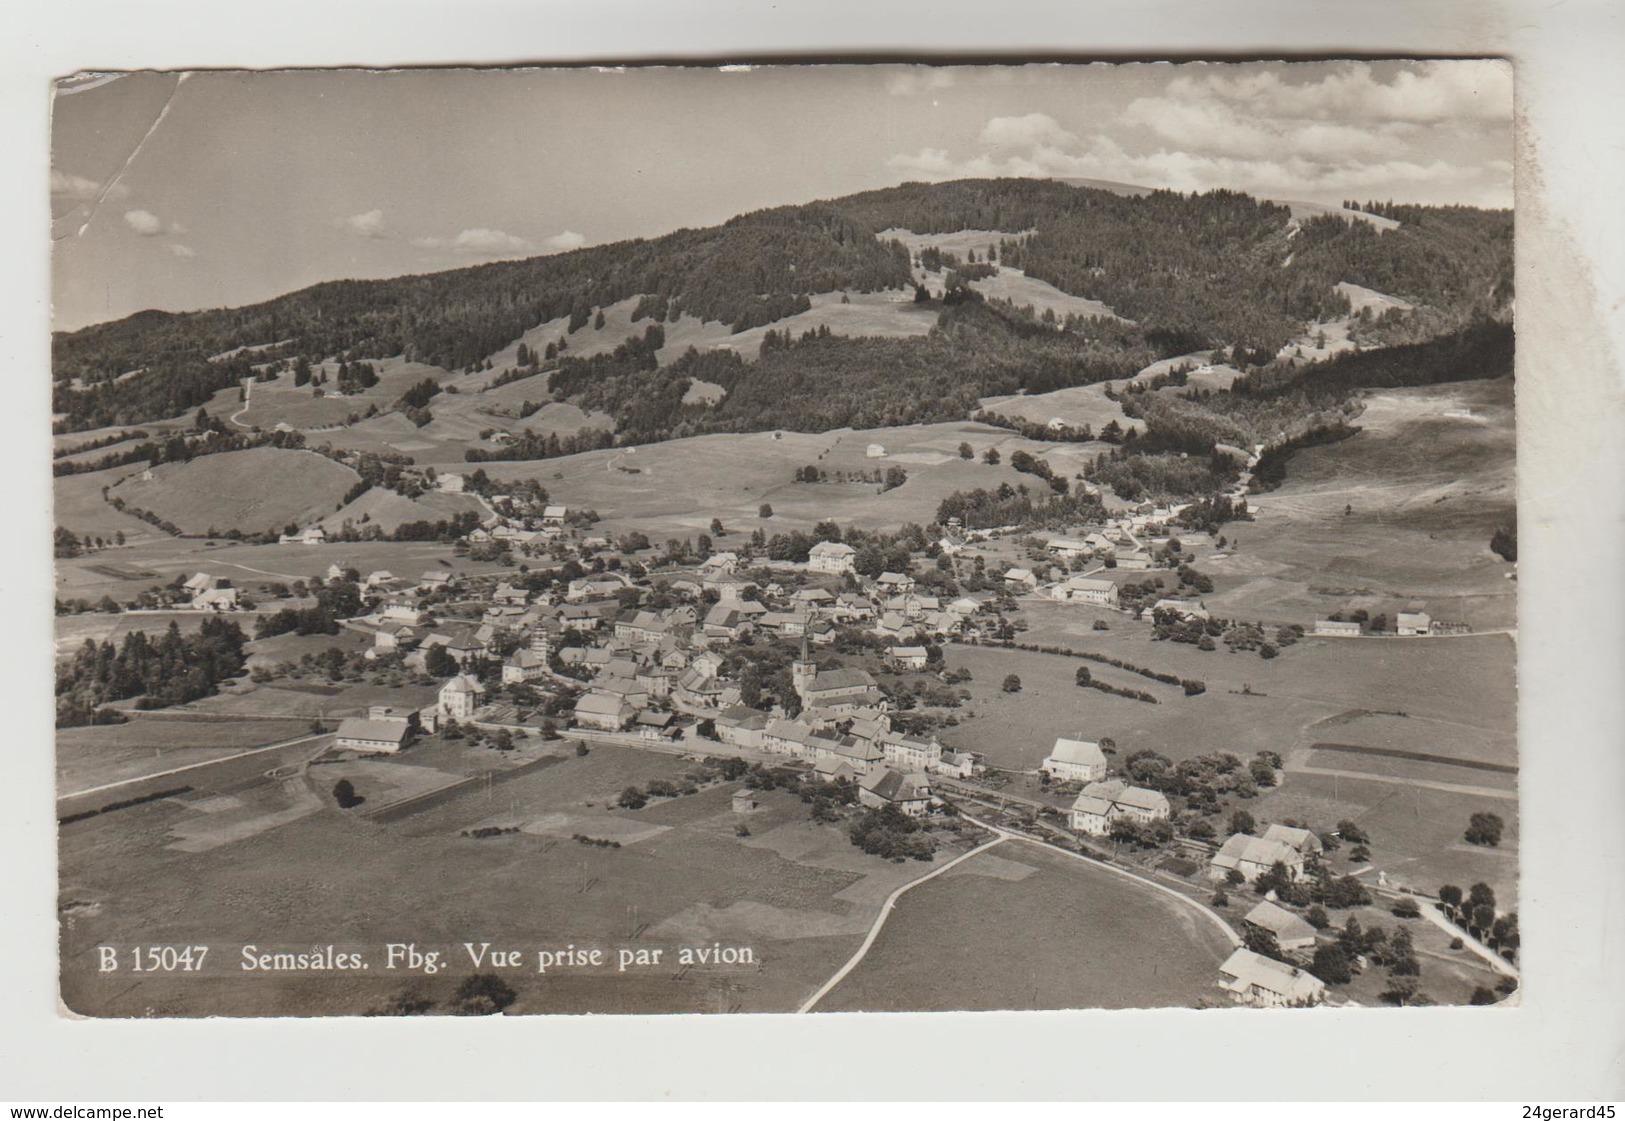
[880, 921]
[1429, 784]
[1493, 959]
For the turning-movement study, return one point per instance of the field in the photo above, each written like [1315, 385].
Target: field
[1425, 483]
[273, 870]
[678, 486]
[253, 490]
[1458, 696]
[87, 757]
[1020, 927]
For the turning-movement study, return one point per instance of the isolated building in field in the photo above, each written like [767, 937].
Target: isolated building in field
[1415, 623]
[875, 451]
[358, 733]
[451, 484]
[1075, 761]
[1263, 982]
[1337, 628]
[1083, 589]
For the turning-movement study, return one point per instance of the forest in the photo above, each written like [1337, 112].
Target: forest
[1192, 271]
[172, 669]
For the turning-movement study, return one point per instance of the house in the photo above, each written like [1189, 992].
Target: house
[908, 657]
[834, 769]
[720, 564]
[909, 753]
[1102, 803]
[1082, 589]
[895, 583]
[1415, 623]
[315, 535]
[1252, 857]
[460, 696]
[1075, 761]
[1179, 608]
[394, 636]
[836, 688]
[1302, 841]
[875, 451]
[964, 607]
[603, 711]
[1068, 548]
[523, 665]
[788, 737]
[741, 726]
[553, 516]
[744, 801]
[895, 625]
[726, 620]
[434, 579]
[451, 484]
[1263, 982]
[402, 611]
[959, 764]
[1290, 931]
[509, 595]
[832, 557]
[1020, 579]
[1337, 628]
[358, 733]
[1133, 561]
[382, 578]
[910, 793]
[641, 626]
[651, 725]
[221, 596]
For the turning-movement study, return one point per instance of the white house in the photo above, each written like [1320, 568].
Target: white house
[460, 696]
[908, 657]
[1020, 578]
[1263, 982]
[886, 787]
[315, 535]
[875, 451]
[603, 711]
[523, 665]
[1253, 856]
[1415, 623]
[553, 516]
[1082, 589]
[1075, 761]
[1102, 803]
[451, 484]
[832, 557]
[1069, 547]
[1337, 628]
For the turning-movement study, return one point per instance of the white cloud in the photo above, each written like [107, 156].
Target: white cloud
[144, 222]
[369, 224]
[77, 188]
[478, 242]
[562, 242]
[920, 79]
[1424, 133]
[184, 252]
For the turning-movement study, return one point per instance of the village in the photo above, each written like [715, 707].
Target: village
[819, 678]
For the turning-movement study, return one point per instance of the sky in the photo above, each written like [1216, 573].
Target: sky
[222, 188]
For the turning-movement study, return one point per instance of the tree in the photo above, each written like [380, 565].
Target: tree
[483, 994]
[1482, 995]
[1352, 833]
[1242, 822]
[895, 477]
[765, 510]
[966, 451]
[991, 457]
[1331, 964]
[1316, 917]
[1450, 895]
[632, 799]
[1083, 677]
[344, 794]
[1484, 829]
[716, 528]
[1012, 684]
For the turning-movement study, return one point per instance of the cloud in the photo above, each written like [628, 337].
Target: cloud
[185, 252]
[1425, 133]
[65, 185]
[370, 224]
[920, 79]
[478, 242]
[562, 242]
[144, 222]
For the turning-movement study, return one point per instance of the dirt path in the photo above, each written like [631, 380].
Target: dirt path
[880, 921]
[105, 788]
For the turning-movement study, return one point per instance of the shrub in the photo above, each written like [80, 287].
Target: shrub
[632, 799]
[1484, 829]
[344, 794]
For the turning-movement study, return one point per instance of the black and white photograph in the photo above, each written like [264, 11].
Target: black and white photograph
[785, 538]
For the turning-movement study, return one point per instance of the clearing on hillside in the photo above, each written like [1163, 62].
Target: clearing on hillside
[252, 491]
